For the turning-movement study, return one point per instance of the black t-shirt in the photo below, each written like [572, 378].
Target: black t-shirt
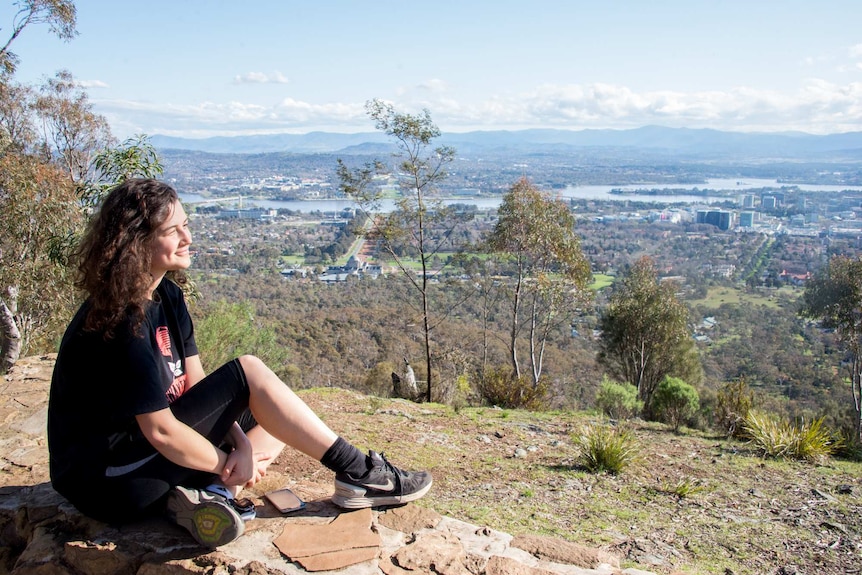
[100, 385]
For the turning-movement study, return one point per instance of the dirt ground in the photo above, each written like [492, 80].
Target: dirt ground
[692, 503]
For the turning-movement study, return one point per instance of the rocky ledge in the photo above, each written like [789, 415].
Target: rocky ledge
[42, 534]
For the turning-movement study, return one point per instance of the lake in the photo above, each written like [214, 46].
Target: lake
[573, 192]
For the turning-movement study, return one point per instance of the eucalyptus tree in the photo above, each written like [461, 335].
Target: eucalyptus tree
[59, 15]
[535, 236]
[834, 295]
[56, 157]
[421, 227]
[645, 334]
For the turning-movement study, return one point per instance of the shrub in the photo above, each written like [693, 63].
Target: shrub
[850, 449]
[848, 446]
[500, 387]
[618, 400]
[225, 330]
[675, 401]
[780, 438]
[378, 379]
[605, 448]
[735, 400]
[682, 488]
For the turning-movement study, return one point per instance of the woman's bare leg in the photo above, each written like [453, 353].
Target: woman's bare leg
[287, 418]
[282, 413]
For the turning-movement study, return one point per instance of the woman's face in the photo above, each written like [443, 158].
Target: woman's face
[170, 247]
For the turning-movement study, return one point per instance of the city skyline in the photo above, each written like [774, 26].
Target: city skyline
[199, 69]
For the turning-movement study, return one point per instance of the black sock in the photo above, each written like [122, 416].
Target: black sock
[344, 457]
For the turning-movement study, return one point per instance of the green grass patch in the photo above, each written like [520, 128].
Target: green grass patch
[771, 298]
[601, 281]
[602, 448]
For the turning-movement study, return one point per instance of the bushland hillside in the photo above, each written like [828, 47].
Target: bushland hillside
[691, 502]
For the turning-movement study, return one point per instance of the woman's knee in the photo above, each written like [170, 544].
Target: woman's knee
[251, 363]
[256, 372]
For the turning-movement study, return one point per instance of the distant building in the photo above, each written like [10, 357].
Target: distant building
[246, 214]
[768, 202]
[747, 201]
[719, 218]
[797, 220]
[746, 219]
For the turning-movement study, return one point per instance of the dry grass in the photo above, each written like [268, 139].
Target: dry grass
[696, 503]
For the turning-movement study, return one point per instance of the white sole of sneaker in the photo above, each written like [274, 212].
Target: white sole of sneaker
[210, 521]
[353, 497]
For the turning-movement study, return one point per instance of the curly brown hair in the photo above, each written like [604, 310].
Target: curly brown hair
[114, 254]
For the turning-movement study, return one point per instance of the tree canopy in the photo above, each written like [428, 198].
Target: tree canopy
[645, 334]
[834, 295]
[536, 236]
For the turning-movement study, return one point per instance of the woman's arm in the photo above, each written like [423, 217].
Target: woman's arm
[186, 447]
[194, 371]
[180, 443]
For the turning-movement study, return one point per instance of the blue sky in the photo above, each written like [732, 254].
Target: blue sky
[198, 68]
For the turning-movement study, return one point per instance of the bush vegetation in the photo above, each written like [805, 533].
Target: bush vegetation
[782, 439]
[605, 448]
[675, 402]
[734, 401]
[227, 330]
[500, 387]
[618, 400]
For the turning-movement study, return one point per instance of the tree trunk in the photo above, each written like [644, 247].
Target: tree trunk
[11, 335]
[856, 388]
[535, 369]
[513, 335]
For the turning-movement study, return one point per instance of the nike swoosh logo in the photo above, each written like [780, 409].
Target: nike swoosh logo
[388, 486]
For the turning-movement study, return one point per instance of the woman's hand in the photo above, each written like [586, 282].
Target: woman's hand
[240, 468]
[260, 464]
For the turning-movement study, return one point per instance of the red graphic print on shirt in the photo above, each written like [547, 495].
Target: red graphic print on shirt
[163, 338]
[174, 364]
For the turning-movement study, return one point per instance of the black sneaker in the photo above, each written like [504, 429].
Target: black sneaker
[209, 517]
[383, 484]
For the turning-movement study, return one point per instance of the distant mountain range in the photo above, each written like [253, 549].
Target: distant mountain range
[651, 140]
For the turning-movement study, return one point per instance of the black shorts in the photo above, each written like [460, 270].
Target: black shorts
[142, 477]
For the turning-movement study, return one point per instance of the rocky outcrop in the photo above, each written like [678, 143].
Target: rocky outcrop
[42, 534]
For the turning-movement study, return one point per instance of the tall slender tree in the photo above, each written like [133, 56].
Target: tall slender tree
[421, 226]
[536, 236]
[645, 334]
[834, 295]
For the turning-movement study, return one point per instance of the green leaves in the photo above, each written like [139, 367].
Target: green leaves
[603, 448]
[645, 334]
[779, 438]
[835, 296]
[535, 235]
[228, 330]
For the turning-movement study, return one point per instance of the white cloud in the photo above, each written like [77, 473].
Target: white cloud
[818, 106]
[91, 84]
[260, 78]
[855, 51]
[231, 118]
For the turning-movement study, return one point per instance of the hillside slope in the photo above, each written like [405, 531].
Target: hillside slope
[693, 504]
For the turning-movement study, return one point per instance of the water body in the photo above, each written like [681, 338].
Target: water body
[572, 192]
